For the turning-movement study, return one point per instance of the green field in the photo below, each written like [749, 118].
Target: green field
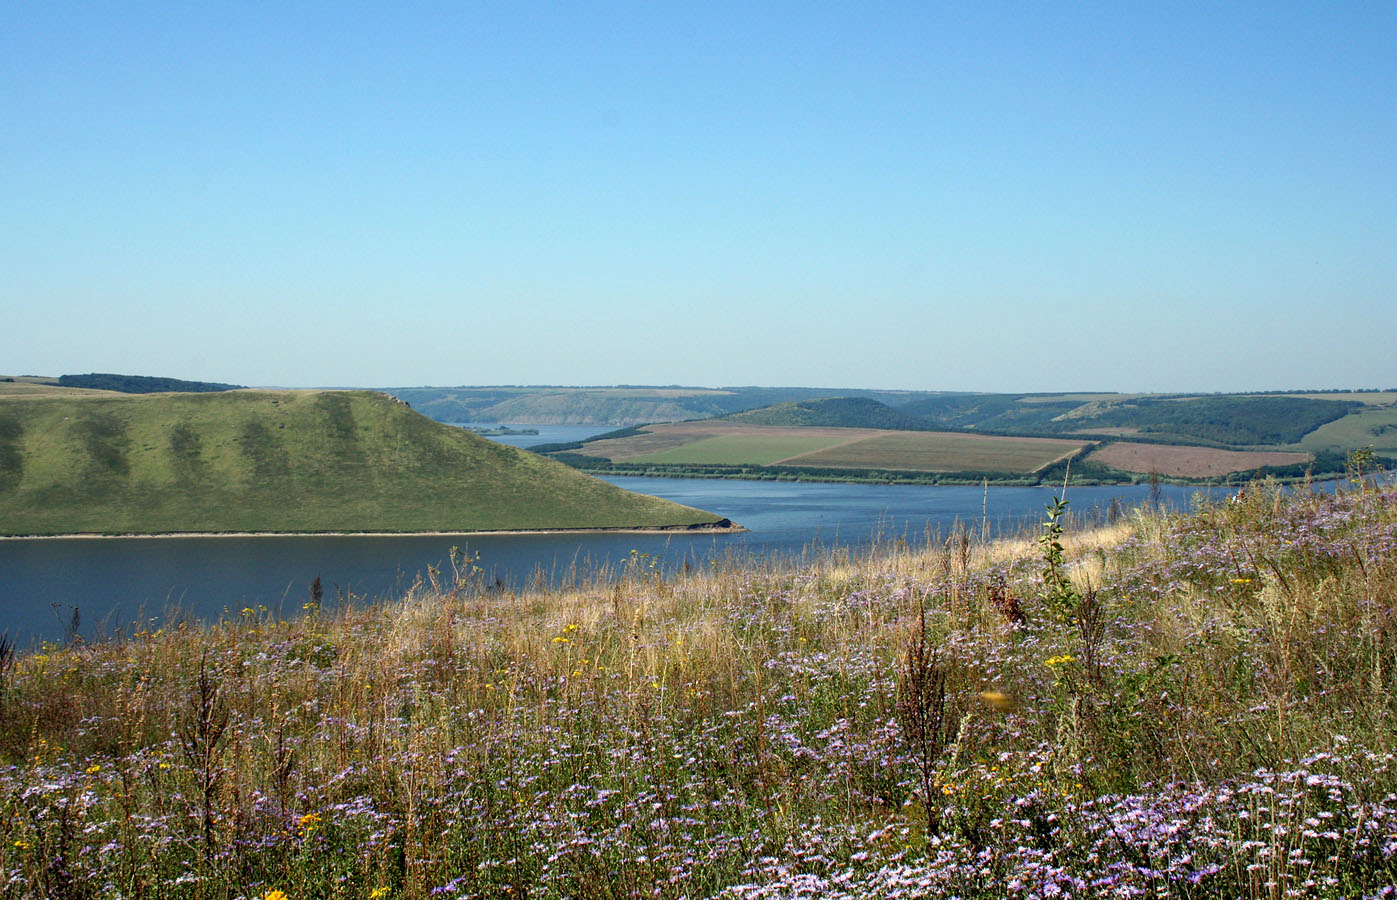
[729, 443]
[1373, 426]
[932, 451]
[283, 461]
[741, 449]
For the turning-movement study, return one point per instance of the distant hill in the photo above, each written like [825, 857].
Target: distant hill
[834, 412]
[617, 405]
[1233, 420]
[992, 412]
[1228, 420]
[141, 384]
[1019, 438]
[284, 461]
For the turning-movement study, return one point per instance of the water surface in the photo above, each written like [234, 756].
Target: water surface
[120, 585]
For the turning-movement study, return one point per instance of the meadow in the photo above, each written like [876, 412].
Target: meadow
[1174, 706]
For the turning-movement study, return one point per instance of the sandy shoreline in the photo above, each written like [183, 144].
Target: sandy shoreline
[716, 528]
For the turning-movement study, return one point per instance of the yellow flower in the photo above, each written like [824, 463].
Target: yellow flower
[379, 892]
[306, 825]
[1054, 661]
[562, 640]
[276, 895]
[93, 769]
[1241, 580]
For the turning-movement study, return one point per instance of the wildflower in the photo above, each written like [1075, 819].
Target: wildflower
[276, 895]
[93, 769]
[307, 824]
[1053, 662]
[379, 892]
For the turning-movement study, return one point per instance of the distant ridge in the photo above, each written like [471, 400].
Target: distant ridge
[286, 462]
[832, 412]
[142, 384]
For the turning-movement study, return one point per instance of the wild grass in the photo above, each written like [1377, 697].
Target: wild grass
[1190, 706]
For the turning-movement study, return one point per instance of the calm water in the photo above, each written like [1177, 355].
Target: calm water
[547, 434]
[121, 584]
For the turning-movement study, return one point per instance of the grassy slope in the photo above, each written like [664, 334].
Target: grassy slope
[283, 461]
[1374, 426]
[1211, 714]
[836, 412]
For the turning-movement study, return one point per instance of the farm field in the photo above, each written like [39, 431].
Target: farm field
[727, 443]
[655, 441]
[935, 451]
[741, 449]
[1188, 462]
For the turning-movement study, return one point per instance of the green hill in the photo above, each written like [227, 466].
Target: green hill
[284, 461]
[833, 412]
[142, 384]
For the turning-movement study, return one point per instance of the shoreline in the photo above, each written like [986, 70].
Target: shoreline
[723, 526]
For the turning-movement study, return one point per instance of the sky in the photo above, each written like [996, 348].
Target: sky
[931, 196]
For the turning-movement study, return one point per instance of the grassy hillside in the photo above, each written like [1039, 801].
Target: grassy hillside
[270, 461]
[831, 412]
[1179, 709]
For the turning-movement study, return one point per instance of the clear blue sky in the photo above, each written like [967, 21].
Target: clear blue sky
[981, 196]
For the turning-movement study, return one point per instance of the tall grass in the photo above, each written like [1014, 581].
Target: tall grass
[1183, 706]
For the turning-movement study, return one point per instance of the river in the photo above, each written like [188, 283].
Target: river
[120, 585]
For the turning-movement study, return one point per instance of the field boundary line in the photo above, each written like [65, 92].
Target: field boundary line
[852, 440]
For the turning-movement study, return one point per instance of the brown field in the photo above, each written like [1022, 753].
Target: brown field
[1189, 462]
[940, 451]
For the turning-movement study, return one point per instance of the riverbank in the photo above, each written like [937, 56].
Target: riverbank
[722, 526]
